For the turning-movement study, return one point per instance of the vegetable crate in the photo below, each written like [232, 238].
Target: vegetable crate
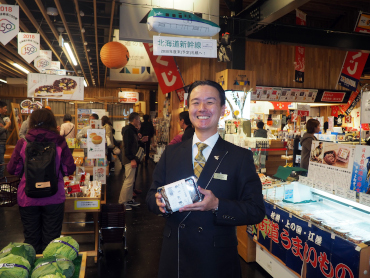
[112, 224]
[8, 191]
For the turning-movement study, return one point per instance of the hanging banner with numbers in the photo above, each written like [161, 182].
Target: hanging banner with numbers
[354, 61]
[9, 23]
[28, 46]
[165, 68]
[300, 50]
[43, 61]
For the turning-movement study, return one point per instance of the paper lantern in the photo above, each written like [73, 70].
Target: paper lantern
[114, 55]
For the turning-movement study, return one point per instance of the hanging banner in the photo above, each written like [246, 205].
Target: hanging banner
[303, 110]
[9, 23]
[184, 47]
[354, 61]
[55, 65]
[43, 61]
[28, 46]
[165, 68]
[365, 108]
[360, 179]
[343, 108]
[181, 92]
[300, 50]
[128, 97]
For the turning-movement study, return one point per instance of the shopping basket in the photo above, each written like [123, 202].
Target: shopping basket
[8, 191]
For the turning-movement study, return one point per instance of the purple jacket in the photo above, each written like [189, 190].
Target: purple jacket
[15, 167]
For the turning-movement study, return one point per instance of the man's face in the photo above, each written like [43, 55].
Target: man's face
[3, 110]
[91, 117]
[181, 123]
[136, 122]
[205, 108]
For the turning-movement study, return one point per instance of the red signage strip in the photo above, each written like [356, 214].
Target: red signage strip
[165, 68]
[332, 97]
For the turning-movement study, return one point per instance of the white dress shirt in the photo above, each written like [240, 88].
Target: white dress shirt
[211, 142]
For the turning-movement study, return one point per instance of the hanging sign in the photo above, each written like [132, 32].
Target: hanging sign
[355, 61]
[181, 92]
[100, 174]
[303, 110]
[184, 47]
[128, 97]
[95, 143]
[332, 97]
[28, 46]
[43, 61]
[55, 65]
[9, 22]
[300, 50]
[165, 68]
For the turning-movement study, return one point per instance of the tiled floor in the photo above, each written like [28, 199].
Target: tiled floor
[144, 236]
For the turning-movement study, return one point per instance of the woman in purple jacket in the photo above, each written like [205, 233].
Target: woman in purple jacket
[42, 218]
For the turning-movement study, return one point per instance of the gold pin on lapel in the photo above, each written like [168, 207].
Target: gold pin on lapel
[216, 156]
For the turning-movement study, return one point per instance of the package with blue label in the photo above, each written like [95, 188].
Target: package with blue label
[180, 193]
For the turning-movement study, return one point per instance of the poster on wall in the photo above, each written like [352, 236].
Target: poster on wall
[55, 86]
[311, 95]
[256, 95]
[83, 118]
[138, 68]
[43, 61]
[266, 91]
[100, 174]
[293, 94]
[361, 167]
[275, 94]
[330, 165]
[28, 46]
[285, 93]
[95, 143]
[302, 95]
[9, 22]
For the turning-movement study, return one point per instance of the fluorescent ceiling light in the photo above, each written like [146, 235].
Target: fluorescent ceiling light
[21, 68]
[2, 80]
[70, 53]
[85, 84]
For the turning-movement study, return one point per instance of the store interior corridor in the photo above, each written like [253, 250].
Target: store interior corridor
[144, 235]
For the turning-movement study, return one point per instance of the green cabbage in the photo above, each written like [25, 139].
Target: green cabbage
[58, 275]
[20, 249]
[65, 246]
[53, 265]
[13, 266]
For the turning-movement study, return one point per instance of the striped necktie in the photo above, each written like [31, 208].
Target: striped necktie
[200, 160]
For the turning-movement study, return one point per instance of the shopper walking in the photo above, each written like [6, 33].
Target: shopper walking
[42, 218]
[107, 125]
[67, 129]
[200, 240]
[147, 129]
[4, 128]
[312, 127]
[129, 160]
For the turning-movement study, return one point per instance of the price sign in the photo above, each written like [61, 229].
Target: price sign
[87, 205]
[364, 199]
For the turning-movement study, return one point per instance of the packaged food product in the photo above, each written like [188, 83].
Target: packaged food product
[343, 154]
[180, 193]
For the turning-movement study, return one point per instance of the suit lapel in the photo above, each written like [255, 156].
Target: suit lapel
[187, 155]
[212, 162]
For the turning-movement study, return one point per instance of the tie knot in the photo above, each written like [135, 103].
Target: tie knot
[201, 146]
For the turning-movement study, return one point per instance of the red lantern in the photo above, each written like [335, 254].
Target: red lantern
[114, 55]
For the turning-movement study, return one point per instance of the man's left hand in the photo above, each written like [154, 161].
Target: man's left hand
[210, 202]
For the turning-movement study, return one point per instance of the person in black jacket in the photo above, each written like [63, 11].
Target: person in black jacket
[186, 125]
[129, 160]
[147, 129]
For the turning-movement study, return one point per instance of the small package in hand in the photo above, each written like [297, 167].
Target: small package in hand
[179, 194]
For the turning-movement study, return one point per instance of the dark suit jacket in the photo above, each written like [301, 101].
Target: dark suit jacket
[206, 241]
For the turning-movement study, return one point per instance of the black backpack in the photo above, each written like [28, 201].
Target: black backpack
[40, 171]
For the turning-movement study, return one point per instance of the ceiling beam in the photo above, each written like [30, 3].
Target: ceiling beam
[314, 37]
[16, 58]
[96, 41]
[9, 64]
[83, 40]
[36, 25]
[109, 37]
[9, 71]
[61, 14]
[263, 12]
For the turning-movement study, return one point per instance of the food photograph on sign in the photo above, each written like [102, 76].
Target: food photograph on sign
[316, 152]
[54, 86]
[336, 155]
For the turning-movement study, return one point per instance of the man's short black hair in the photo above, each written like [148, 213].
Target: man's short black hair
[133, 116]
[2, 104]
[67, 117]
[95, 116]
[208, 83]
[260, 124]
[185, 116]
[146, 118]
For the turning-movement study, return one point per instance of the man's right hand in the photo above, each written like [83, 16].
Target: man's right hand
[133, 163]
[8, 124]
[158, 200]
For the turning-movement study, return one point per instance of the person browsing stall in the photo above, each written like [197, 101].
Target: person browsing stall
[67, 129]
[200, 240]
[312, 127]
[260, 132]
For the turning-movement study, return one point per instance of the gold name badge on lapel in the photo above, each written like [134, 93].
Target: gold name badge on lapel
[220, 176]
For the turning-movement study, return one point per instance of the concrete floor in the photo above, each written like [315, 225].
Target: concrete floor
[144, 235]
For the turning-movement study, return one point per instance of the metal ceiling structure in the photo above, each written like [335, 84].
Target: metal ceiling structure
[88, 24]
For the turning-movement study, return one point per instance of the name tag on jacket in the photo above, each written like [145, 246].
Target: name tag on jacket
[220, 176]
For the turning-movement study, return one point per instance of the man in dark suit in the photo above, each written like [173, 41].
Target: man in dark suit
[200, 240]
